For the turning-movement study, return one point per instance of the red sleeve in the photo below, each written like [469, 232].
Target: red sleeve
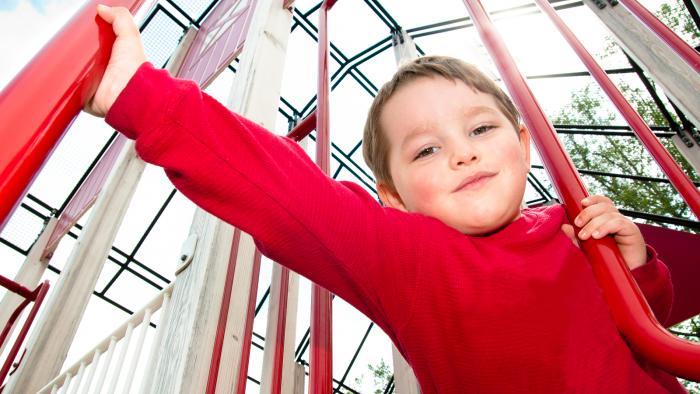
[334, 233]
[654, 279]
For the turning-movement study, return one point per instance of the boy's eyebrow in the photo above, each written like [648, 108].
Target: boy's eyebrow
[423, 128]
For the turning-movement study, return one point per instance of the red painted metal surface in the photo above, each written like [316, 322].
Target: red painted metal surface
[85, 196]
[219, 40]
[303, 128]
[16, 288]
[278, 362]
[37, 296]
[629, 308]
[248, 331]
[321, 360]
[215, 362]
[685, 51]
[664, 159]
[678, 250]
[42, 100]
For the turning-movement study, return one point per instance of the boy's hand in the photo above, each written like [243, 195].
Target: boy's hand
[127, 56]
[600, 218]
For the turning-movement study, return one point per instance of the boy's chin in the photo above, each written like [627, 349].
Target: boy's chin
[487, 225]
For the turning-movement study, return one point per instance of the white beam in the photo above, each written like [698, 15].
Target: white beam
[678, 80]
[183, 364]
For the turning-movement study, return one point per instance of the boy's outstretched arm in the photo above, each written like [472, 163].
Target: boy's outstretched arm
[334, 233]
[600, 218]
[127, 55]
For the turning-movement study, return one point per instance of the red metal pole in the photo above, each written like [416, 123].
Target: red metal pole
[16, 288]
[223, 315]
[685, 51]
[321, 360]
[39, 294]
[42, 100]
[248, 331]
[278, 362]
[628, 306]
[669, 166]
[303, 128]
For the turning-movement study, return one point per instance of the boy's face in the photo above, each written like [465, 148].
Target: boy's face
[454, 156]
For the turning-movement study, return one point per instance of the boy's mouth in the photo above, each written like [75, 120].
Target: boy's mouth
[475, 180]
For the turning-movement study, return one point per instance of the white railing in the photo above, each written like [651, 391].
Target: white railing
[97, 363]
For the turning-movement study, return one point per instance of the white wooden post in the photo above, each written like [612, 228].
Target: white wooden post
[29, 275]
[691, 153]
[53, 334]
[676, 77]
[404, 378]
[184, 359]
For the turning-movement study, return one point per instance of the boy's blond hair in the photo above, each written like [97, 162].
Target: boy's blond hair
[375, 147]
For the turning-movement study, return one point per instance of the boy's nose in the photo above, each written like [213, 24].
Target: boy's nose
[464, 156]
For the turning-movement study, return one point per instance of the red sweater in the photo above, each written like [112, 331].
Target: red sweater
[516, 311]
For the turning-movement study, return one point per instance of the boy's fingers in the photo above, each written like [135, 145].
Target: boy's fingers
[597, 227]
[596, 199]
[592, 211]
[120, 18]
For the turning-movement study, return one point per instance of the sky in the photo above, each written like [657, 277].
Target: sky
[25, 25]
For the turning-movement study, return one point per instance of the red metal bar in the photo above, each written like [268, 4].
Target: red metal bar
[38, 295]
[303, 128]
[685, 51]
[11, 321]
[628, 306]
[248, 331]
[16, 288]
[321, 360]
[223, 315]
[669, 166]
[278, 362]
[42, 100]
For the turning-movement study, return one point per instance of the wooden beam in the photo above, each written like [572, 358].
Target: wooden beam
[184, 361]
[691, 153]
[404, 379]
[54, 332]
[677, 78]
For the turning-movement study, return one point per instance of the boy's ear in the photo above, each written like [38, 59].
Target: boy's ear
[389, 197]
[524, 135]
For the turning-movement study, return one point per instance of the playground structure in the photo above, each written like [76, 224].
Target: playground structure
[220, 265]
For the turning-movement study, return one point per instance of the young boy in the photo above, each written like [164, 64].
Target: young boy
[477, 294]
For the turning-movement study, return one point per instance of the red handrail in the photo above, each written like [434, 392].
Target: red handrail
[321, 359]
[630, 310]
[42, 100]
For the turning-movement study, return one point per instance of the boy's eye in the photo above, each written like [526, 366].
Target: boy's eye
[482, 129]
[426, 152]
